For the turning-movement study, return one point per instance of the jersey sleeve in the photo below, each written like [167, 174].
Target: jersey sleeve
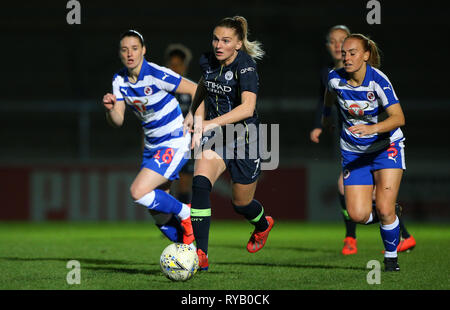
[319, 106]
[385, 92]
[116, 88]
[248, 76]
[165, 78]
[332, 75]
[205, 62]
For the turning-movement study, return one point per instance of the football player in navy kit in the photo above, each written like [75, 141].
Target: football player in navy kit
[227, 91]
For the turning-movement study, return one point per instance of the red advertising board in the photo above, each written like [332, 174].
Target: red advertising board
[101, 192]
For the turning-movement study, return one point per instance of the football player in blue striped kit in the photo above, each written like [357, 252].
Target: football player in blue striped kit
[372, 143]
[149, 91]
[334, 39]
[229, 87]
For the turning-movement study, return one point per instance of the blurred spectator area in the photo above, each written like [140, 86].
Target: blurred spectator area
[77, 130]
[58, 157]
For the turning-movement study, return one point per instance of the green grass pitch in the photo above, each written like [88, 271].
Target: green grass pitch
[297, 256]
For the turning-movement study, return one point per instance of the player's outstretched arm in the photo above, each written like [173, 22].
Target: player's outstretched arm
[328, 101]
[241, 112]
[186, 87]
[395, 119]
[197, 121]
[198, 97]
[197, 101]
[115, 110]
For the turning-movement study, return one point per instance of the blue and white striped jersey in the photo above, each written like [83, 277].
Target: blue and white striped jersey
[364, 104]
[153, 101]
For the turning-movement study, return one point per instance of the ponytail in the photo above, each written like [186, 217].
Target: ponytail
[240, 25]
[369, 45]
[374, 59]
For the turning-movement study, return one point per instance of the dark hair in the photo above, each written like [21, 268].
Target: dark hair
[132, 33]
[368, 45]
[178, 53]
[240, 25]
[178, 50]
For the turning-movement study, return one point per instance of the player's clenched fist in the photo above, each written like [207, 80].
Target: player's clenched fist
[109, 100]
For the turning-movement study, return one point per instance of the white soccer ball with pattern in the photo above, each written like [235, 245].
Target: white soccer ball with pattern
[179, 261]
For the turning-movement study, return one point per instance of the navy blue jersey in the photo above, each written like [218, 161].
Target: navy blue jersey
[323, 85]
[225, 84]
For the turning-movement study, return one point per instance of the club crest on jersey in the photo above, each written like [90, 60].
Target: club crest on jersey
[229, 75]
[371, 96]
[357, 109]
[148, 90]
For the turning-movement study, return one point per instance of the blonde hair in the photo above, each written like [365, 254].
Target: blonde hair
[337, 27]
[240, 25]
[368, 45]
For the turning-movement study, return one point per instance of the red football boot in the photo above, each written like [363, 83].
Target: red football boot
[258, 238]
[349, 246]
[406, 244]
[188, 231]
[202, 260]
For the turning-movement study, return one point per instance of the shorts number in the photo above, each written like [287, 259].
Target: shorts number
[257, 161]
[166, 157]
[392, 151]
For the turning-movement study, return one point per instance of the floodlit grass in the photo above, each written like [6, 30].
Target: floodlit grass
[297, 256]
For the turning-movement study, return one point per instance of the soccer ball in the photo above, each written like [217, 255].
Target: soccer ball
[179, 261]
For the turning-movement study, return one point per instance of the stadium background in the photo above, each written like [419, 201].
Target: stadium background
[59, 159]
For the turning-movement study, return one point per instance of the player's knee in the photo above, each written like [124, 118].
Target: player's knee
[386, 213]
[241, 202]
[340, 185]
[137, 192]
[359, 216]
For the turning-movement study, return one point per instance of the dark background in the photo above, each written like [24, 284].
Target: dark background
[48, 63]
[53, 75]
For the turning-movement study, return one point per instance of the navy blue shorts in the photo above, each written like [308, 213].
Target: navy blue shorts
[240, 152]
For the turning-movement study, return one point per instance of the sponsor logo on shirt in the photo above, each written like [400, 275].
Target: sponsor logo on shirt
[356, 109]
[141, 106]
[217, 88]
[248, 69]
